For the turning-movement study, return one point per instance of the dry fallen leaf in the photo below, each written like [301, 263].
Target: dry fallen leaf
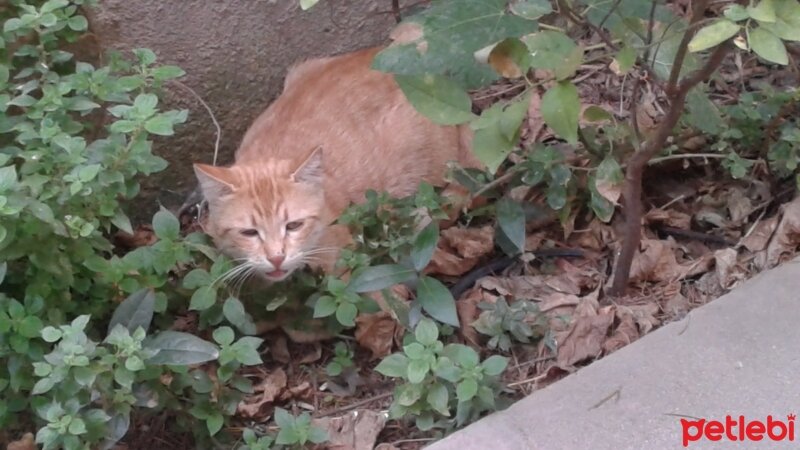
[668, 217]
[728, 273]
[625, 333]
[468, 312]
[356, 430]
[279, 350]
[376, 332]
[460, 249]
[758, 239]
[586, 334]
[655, 262]
[787, 235]
[264, 393]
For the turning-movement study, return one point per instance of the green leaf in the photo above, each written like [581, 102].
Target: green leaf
[445, 37]
[510, 58]
[415, 350]
[81, 104]
[714, 34]
[424, 246]
[764, 11]
[145, 56]
[346, 314]
[223, 336]
[531, 9]
[464, 355]
[23, 100]
[166, 225]
[52, 5]
[511, 219]
[625, 58]
[768, 46]
[135, 311]
[283, 418]
[417, 370]
[437, 98]
[736, 13]
[234, 312]
[3, 269]
[12, 24]
[43, 386]
[121, 221]
[203, 298]
[596, 114]
[380, 277]
[703, 113]
[87, 173]
[307, 4]
[466, 390]
[214, 423]
[394, 365]
[167, 72]
[8, 178]
[51, 334]
[325, 306]
[177, 348]
[123, 126]
[3, 75]
[30, 327]
[787, 23]
[437, 301]
[494, 365]
[497, 131]
[438, 398]
[554, 50]
[196, 278]
[426, 332]
[560, 110]
[116, 429]
[78, 23]
[160, 125]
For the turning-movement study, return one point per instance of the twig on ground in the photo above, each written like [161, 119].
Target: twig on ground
[355, 405]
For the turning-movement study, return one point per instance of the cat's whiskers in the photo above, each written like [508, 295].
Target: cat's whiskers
[231, 273]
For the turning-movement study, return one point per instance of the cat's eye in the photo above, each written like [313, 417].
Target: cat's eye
[249, 232]
[294, 226]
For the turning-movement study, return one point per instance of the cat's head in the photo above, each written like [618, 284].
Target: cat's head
[268, 215]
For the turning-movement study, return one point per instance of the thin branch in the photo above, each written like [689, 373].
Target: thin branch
[610, 11]
[632, 189]
[210, 113]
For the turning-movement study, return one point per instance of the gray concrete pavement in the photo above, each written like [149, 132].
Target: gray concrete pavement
[738, 355]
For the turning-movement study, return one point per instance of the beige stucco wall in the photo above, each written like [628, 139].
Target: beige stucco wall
[235, 53]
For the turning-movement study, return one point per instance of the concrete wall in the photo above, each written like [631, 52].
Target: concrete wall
[235, 53]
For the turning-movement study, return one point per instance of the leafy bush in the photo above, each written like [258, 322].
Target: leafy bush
[439, 378]
[73, 140]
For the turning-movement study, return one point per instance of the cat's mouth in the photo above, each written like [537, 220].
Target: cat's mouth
[277, 275]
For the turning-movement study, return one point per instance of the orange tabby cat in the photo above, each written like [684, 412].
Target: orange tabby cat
[338, 130]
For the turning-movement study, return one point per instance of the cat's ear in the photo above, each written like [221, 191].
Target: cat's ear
[215, 182]
[311, 170]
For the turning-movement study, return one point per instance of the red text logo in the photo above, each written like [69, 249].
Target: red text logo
[738, 429]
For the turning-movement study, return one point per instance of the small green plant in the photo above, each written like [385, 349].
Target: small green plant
[296, 431]
[255, 442]
[342, 360]
[438, 379]
[505, 324]
[86, 390]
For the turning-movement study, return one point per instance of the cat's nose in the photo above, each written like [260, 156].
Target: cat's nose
[276, 260]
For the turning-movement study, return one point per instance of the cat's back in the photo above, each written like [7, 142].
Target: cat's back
[372, 138]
